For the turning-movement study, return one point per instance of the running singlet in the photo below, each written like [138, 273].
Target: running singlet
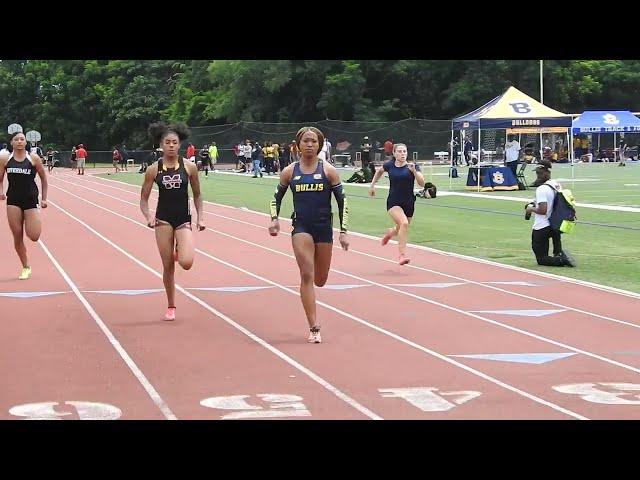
[22, 180]
[173, 187]
[311, 194]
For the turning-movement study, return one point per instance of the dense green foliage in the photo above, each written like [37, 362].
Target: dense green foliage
[106, 101]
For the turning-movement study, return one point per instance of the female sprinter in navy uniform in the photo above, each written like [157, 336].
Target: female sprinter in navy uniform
[172, 221]
[22, 196]
[401, 199]
[311, 181]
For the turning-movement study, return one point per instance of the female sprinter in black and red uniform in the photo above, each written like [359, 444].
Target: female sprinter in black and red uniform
[172, 221]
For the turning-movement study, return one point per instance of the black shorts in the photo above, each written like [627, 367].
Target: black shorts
[407, 207]
[183, 221]
[25, 203]
[321, 232]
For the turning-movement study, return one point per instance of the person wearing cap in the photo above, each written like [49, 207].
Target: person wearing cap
[542, 230]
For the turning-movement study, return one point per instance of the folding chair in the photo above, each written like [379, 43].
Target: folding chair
[520, 175]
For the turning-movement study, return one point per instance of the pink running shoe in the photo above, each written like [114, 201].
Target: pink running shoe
[387, 236]
[403, 259]
[171, 314]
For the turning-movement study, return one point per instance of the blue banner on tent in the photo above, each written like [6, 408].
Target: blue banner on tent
[606, 122]
[491, 178]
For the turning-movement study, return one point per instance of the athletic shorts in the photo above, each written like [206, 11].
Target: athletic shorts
[25, 203]
[407, 207]
[321, 232]
[176, 222]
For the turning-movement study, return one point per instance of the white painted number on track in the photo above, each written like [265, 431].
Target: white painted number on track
[604, 392]
[427, 399]
[84, 411]
[282, 406]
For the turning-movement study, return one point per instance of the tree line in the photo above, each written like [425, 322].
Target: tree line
[103, 102]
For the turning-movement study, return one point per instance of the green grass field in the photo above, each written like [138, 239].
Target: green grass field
[594, 183]
[606, 243]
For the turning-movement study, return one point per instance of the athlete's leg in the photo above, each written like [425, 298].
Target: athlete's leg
[16, 219]
[304, 250]
[184, 246]
[165, 241]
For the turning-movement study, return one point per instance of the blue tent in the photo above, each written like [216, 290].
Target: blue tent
[606, 122]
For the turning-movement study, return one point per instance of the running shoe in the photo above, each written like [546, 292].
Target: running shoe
[25, 273]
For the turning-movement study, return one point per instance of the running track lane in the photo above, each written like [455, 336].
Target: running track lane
[449, 268]
[298, 344]
[52, 350]
[509, 415]
[193, 358]
[537, 288]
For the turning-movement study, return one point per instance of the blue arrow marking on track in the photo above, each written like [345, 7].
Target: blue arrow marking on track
[521, 313]
[28, 294]
[229, 289]
[534, 358]
[126, 292]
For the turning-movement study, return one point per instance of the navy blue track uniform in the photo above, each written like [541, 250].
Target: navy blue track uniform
[401, 182]
[173, 199]
[22, 191]
[312, 204]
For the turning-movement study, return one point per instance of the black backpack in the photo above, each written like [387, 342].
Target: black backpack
[563, 217]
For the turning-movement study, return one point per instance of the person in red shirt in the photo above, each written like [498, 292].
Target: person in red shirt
[116, 157]
[388, 150]
[191, 153]
[81, 157]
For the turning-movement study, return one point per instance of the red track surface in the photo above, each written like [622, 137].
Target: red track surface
[379, 336]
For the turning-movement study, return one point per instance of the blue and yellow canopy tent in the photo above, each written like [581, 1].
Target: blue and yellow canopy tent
[514, 111]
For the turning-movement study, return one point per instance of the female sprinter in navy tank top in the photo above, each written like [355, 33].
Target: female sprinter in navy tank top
[172, 221]
[401, 199]
[22, 196]
[311, 181]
